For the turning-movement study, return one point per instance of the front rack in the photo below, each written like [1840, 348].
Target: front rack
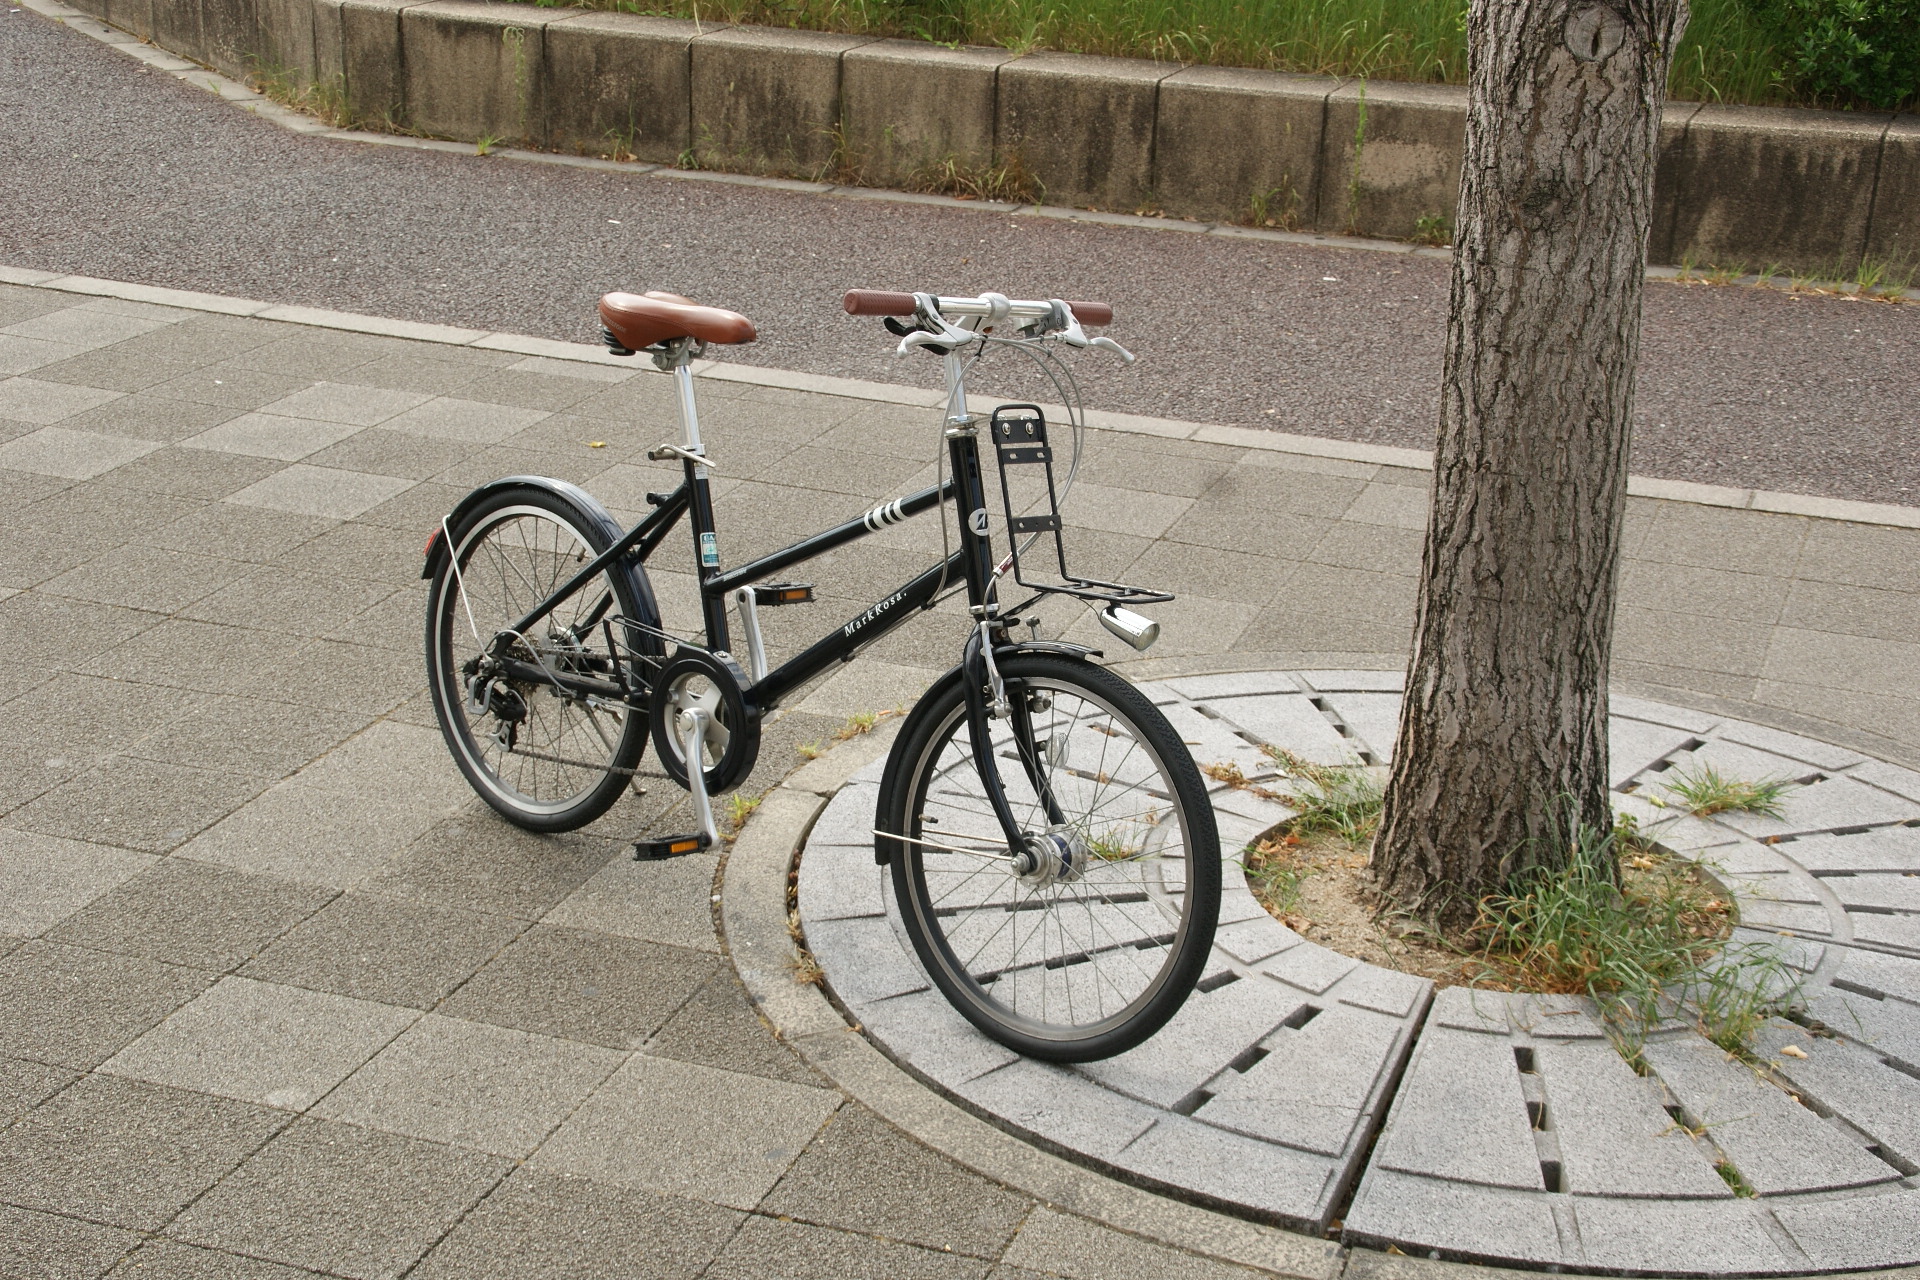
[1019, 433]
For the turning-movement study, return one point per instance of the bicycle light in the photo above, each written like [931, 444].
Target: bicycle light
[1136, 630]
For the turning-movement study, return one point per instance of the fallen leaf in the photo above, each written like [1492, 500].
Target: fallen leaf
[1793, 1051]
[596, 444]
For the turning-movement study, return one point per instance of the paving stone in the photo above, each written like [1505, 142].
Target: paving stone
[923, 1198]
[1881, 975]
[1890, 1028]
[719, 1028]
[75, 455]
[341, 1199]
[1759, 913]
[261, 1042]
[1880, 1101]
[466, 420]
[1668, 1236]
[1902, 931]
[1461, 1218]
[1291, 1185]
[479, 862]
[1352, 681]
[1373, 718]
[1252, 940]
[688, 1130]
[192, 914]
[582, 986]
[85, 327]
[1290, 721]
[1060, 1106]
[771, 1250]
[320, 491]
[1235, 684]
[1312, 1088]
[30, 400]
[345, 403]
[1211, 1029]
[1382, 990]
[267, 435]
[44, 1246]
[1634, 746]
[1060, 1244]
[1460, 1113]
[1777, 1144]
[1904, 783]
[25, 1085]
[1823, 806]
[149, 578]
[43, 879]
[1890, 892]
[1894, 849]
[841, 883]
[1214, 741]
[301, 833]
[385, 950]
[925, 1034]
[127, 1154]
[75, 1008]
[471, 1084]
[1859, 1231]
[161, 1259]
[538, 1226]
[142, 804]
[1311, 968]
[1615, 1138]
[669, 902]
[1821, 755]
[263, 739]
[863, 960]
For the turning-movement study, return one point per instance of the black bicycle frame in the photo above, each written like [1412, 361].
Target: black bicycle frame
[972, 562]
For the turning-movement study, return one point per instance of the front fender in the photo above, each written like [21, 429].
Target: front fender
[884, 847]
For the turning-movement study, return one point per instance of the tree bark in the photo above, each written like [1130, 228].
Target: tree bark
[1503, 732]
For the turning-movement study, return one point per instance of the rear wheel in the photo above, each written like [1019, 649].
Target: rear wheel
[546, 759]
[1083, 944]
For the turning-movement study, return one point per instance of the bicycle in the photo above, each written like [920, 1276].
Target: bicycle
[1052, 849]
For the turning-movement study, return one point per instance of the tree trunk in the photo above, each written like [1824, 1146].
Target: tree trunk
[1503, 732]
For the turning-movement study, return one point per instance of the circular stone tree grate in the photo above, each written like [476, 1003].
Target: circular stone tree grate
[1305, 1087]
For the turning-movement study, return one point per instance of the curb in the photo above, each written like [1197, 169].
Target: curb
[1332, 452]
[754, 932]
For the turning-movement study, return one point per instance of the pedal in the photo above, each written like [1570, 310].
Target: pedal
[669, 847]
[769, 594]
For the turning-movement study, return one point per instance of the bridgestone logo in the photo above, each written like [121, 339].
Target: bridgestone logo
[873, 613]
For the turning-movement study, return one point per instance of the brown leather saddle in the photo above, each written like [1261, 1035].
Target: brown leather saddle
[636, 320]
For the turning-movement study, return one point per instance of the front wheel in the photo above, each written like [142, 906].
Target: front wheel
[1084, 943]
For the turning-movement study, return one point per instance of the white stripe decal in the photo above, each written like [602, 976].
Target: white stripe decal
[885, 514]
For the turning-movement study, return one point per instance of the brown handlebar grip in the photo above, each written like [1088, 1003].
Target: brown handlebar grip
[1092, 312]
[878, 302]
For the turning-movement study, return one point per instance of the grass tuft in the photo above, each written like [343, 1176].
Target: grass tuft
[1705, 792]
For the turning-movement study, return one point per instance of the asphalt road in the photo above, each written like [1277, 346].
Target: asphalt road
[111, 170]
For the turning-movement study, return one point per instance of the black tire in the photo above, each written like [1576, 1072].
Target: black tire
[1111, 954]
[567, 760]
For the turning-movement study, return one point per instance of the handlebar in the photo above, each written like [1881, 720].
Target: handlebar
[880, 302]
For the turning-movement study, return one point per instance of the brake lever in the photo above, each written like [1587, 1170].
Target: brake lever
[1067, 326]
[936, 330]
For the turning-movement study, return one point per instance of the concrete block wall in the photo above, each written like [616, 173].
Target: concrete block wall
[1810, 191]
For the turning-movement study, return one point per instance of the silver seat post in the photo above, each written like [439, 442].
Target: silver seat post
[689, 413]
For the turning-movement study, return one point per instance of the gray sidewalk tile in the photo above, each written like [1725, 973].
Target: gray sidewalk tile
[30, 400]
[76, 1008]
[384, 451]
[24, 355]
[465, 420]
[43, 1246]
[1059, 1244]
[320, 491]
[1461, 1217]
[1709, 592]
[549, 385]
[666, 902]
[1712, 1237]
[416, 371]
[142, 416]
[1289, 719]
[246, 735]
[1778, 1144]
[162, 1259]
[361, 550]
[1615, 1139]
[266, 435]
[393, 763]
[108, 370]
[192, 914]
[1210, 1030]
[1860, 1231]
[262, 1042]
[582, 986]
[229, 386]
[477, 861]
[343, 676]
[74, 455]
[127, 1154]
[345, 403]
[43, 879]
[146, 578]
[315, 837]
[922, 1198]
[86, 326]
[385, 950]
[238, 533]
[719, 1028]
[1311, 1087]
[341, 1199]
[1292, 1186]
[659, 1125]
[176, 653]
[766, 1250]
[472, 1085]
[187, 473]
[142, 804]
[25, 1085]
[1460, 1114]
[539, 1226]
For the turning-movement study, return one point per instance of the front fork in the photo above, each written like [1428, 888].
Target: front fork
[988, 698]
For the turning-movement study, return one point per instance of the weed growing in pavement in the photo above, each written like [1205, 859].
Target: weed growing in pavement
[1010, 181]
[862, 722]
[1336, 810]
[809, 750]
[484, 145]
[1275, 207]
[1359, 152]
[1434, 229]
[1726, 274]
[739, 807]
[1731, 1176]
[1705, 792]
[325, 100]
